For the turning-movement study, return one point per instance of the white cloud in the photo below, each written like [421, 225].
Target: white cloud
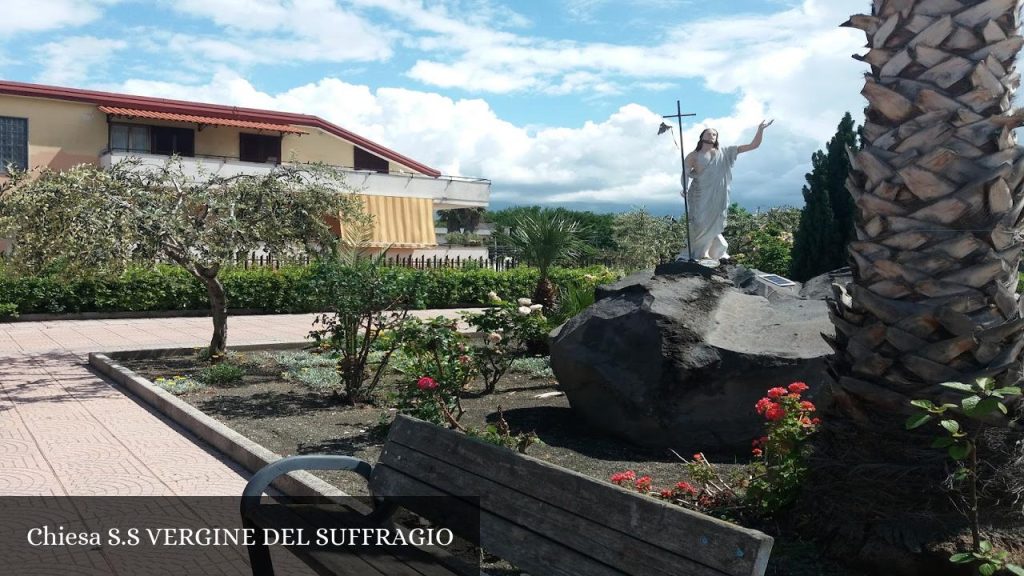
[279, 32]
[793, 65]
[74, 60]
[618, 160]
[41, 15]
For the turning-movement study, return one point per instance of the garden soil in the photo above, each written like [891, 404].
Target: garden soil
[289, 418]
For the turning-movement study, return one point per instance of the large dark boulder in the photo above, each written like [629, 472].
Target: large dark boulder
[679, 358]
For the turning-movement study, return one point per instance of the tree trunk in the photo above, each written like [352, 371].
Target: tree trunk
[939, 194]
[939, 191]
[219, 308]
[545, 294]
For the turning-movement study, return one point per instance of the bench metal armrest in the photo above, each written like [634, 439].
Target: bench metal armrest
[262, 479]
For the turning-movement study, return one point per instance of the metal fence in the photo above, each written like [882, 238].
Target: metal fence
[499, 264]
[421, 262]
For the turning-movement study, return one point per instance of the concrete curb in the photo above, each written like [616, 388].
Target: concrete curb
[158, 352]
[238, 448]
[143, 314]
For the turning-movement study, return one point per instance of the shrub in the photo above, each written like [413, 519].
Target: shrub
[780, 456]
[535, 366]
[369, 302]
[775, 474]
[315, 371]
[288, 290]
[963, 426]
[442, 367]
[221, 374]
[8, 310]
[319, 378]
[178, 385]
[510, 329]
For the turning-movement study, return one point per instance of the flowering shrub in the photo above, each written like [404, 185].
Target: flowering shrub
[441, 365]
[509, 327]
[779, 465]
[775, 474]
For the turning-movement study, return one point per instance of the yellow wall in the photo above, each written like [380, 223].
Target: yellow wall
[61, 134]
[318, 146]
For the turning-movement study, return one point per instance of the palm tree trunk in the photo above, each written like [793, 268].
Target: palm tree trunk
[545, 293]
[939, 196]
[939, 193]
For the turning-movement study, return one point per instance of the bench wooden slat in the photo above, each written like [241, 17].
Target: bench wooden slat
[498, 536]
[344, 560]
[707, 541]
[623, 552]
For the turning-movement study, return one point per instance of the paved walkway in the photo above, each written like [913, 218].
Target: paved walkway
[64, 430]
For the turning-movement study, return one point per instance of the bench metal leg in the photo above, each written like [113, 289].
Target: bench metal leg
[259, 556]
[259, 559]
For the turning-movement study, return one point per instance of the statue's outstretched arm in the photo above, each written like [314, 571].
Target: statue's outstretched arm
[756, 142]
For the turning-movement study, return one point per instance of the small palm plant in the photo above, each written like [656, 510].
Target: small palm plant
[545, 240]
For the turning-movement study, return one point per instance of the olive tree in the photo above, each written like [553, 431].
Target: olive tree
[89, 218]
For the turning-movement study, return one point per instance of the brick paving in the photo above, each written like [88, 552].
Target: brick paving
[64, 430]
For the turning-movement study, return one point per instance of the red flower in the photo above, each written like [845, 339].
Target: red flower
[757, 452]
[808, 406]
[463, 359]
[815, 421]
[759, 441]
[426, 383]
[643, 484]
[698, 457]
[666, 493]
[767, 408]
[775, 412]
[776, 393]
[763, 405]
[623, 477]
[685, 488]
[798, 387]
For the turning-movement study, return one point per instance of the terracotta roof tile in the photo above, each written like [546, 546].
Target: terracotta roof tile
[191, 118]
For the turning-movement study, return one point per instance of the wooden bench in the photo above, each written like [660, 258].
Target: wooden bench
[544, 519]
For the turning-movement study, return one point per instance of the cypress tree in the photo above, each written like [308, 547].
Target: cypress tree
[826, 221]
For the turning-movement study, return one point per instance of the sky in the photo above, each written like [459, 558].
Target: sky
[557, 102]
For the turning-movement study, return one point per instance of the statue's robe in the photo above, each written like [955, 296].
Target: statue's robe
[709, 204]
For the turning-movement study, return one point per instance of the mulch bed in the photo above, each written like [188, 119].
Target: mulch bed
[289, 418]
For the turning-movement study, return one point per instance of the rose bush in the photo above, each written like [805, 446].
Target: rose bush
[510, 328]
[442, 365]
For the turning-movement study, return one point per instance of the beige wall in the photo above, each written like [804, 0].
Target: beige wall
[318, 146]
[61, 134]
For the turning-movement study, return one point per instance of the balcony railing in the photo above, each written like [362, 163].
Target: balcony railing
[446, 191]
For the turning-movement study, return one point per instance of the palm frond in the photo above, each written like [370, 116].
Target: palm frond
[545, 240]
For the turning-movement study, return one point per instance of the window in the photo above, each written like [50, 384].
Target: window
[259, 148]
[129, 138]
[367, 161]
[168, 141]
[13, 142]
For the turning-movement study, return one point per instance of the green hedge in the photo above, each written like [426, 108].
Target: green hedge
[298, 289]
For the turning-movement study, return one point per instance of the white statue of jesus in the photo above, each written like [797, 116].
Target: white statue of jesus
[710, 170]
